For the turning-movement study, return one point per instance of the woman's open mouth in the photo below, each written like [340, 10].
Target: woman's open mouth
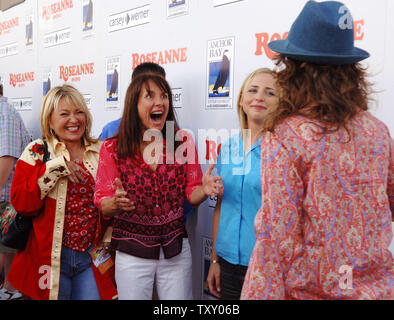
[156, 117]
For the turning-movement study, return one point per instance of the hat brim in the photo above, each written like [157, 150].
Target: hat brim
[285, 48]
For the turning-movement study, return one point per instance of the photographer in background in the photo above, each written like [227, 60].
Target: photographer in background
[13, 139]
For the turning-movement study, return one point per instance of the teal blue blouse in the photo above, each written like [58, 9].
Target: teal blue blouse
[241, 200]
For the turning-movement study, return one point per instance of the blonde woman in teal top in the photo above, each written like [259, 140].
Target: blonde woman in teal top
[239, 166]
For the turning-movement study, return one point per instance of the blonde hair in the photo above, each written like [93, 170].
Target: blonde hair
[51, 102]
[243, 120]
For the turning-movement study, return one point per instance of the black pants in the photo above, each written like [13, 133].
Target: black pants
[231, 279]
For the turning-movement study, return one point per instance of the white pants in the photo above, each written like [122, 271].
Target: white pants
[135, 276]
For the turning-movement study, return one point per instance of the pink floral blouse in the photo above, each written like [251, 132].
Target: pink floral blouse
[108, 172]
[157, 222]
[324, 227]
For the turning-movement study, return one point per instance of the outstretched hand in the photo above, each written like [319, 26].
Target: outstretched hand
[122, 203]
[212, 185]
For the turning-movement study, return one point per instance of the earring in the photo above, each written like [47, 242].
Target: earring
[53, 133]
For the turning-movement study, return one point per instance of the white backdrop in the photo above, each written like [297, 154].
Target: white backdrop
[179, 35]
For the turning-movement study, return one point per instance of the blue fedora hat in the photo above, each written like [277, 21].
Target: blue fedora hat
[323, 33]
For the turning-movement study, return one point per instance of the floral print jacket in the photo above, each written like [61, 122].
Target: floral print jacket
[325, 224]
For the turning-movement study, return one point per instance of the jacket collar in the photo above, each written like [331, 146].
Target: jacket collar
[254, 146]
[60, 147]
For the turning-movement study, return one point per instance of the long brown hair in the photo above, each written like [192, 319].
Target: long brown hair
[330, 94]
[130, 132]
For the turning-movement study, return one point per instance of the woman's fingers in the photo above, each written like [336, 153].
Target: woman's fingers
[213, 280]
[220, 189]
[211, 184]
[77, 174]
[120, 194]
[214, 186]
[210, 168]
[128, 207]
[73, 178]
[106, 248]
[124, 204]
[81, 174]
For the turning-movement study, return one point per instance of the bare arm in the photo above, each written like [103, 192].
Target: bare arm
[197, 196]
[215, 226]
[108, 207]
[213, 278]
[6, 165]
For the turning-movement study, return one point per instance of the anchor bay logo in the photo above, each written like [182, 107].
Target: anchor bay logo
[128, 19]
[220, 73]
[57, 37]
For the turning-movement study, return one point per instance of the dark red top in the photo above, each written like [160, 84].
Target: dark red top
[158, 195]
[81, 216]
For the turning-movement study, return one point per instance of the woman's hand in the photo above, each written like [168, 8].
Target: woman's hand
[213, 279]
[106, 248]
[122, 203]
[118, 203]
[78, 175]
[212, 185]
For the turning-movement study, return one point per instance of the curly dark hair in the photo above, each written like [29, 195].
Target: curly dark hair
[330, 94]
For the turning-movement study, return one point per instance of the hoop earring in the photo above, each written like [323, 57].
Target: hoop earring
[52, 132]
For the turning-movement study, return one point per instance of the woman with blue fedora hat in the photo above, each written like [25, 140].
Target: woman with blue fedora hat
[327, 172]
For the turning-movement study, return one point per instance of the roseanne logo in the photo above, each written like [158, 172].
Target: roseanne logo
[6, 26]
[54, 10]
[21, 78]
[76, 71]
[160, 57]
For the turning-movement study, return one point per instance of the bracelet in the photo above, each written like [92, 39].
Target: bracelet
[215, 261]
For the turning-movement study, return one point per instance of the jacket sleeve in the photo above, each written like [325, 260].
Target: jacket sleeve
[33, 180]
[187, 153]
[390, 184]
[107, 172]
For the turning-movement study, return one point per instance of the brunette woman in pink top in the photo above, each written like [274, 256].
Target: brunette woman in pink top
[327, 172]
[143, 178]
